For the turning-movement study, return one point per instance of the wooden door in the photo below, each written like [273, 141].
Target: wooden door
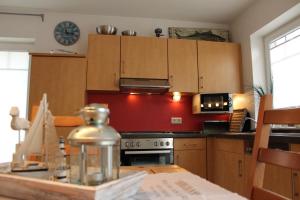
[296, 176]
[278, 180]
[229, 171]
[63, 79]
[227, 164]
[144, 57]
[190, 154]
[191, 160]
[103, 71]
[183, 68]
[219, 66]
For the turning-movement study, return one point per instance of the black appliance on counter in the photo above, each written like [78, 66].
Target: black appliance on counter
[213, 103]
[146, 149]
[215, 126]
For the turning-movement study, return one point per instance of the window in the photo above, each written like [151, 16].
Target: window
[284, 59]
[13, 87]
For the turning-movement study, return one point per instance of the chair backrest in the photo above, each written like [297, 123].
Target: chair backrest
[61, 121]
[262, 155]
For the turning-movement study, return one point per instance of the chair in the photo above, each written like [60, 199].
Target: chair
[261, 155]
[59, 122]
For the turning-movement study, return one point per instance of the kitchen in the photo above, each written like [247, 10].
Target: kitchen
[147, 113]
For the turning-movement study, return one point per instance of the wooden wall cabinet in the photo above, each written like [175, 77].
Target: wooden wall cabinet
[226, 165]
[190, 154]
[103, 71]
[62, 78]
[144, 57]
[219, 66]
[183, 68]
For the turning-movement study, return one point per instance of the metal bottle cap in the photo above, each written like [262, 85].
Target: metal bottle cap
[96, 131]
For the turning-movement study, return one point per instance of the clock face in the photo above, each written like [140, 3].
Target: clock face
[66, 33]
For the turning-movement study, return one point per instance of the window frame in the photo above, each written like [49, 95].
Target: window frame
[278, 33]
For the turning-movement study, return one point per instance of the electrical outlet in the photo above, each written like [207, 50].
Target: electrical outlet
[176, 120]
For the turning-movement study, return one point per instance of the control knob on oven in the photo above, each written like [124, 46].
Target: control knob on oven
[161, 143]
[138, 144]
[132, 144]
[155, 144]
[167, 143]
[126, 144]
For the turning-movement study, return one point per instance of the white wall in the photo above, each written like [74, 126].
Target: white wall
[33, 27]
[249, 28]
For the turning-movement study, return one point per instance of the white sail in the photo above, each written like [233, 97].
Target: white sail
[53, 153]
[34, 138]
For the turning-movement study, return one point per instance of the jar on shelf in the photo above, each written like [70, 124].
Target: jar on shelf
[94, 148]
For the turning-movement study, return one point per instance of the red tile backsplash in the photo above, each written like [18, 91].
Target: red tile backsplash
[150, 112]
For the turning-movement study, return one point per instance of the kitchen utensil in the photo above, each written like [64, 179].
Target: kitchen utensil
[107, 30]
[129, 32]
[158, 32]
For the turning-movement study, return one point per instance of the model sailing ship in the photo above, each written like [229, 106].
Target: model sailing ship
[40, 142]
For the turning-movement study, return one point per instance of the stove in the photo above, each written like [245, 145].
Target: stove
[147, 148]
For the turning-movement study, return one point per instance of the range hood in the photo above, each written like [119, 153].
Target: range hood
[144, 85]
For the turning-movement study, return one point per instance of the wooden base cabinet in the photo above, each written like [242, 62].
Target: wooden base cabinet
[227, 164]
[190, 154]
[295, 176]
[278, 180]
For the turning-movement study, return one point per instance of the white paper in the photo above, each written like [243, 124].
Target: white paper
[179, 186]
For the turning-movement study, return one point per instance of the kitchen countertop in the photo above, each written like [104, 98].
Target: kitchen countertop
[274, 137]
[187, 134]
[278, 135]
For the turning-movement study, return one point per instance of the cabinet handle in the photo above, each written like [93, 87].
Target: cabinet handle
[122, 67]
[294, 192]
[201, 82]
[240, 168]
[116, 79]
[171, 81]
[190, 145]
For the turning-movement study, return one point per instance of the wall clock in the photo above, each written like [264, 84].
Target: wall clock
[66, 33]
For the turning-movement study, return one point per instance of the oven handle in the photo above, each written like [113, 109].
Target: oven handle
[147, 152]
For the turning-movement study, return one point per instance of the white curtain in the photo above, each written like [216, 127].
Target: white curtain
[13, 92]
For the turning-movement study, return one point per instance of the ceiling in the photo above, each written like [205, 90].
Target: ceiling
[214, 11]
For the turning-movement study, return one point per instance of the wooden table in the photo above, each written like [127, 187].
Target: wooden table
[148, 169]
[155, 169]
[69, 190]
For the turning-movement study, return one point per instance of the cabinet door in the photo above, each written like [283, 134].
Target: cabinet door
[278, 180]
[183, 69]
[103, 62]
[229, 171]
[64, 81]
[144, 57]
[219, 67]
[192, 160]
[296, 176]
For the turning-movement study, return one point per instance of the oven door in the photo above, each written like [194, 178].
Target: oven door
[147, 157]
